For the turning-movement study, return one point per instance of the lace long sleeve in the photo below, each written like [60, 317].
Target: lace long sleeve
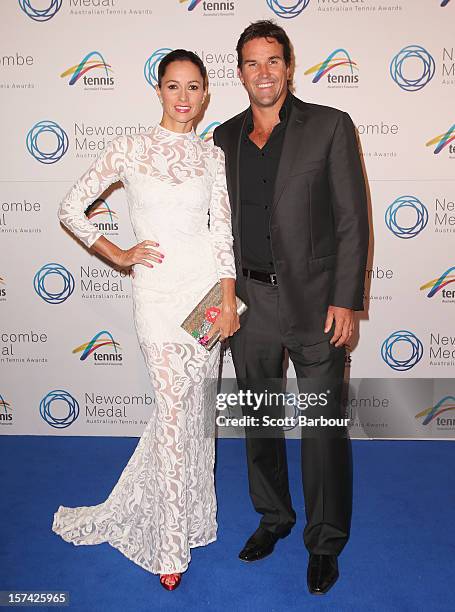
[107, 169]
[220, 221]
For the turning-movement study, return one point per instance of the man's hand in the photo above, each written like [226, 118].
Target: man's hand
[344, 324]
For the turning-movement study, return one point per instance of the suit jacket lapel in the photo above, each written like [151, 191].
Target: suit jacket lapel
[291, 145]
[233, 153]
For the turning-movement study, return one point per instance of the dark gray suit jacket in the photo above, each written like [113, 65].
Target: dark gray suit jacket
[319, 221]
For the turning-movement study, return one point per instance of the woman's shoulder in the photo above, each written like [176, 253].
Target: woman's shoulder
[130, 144]
[213, 155]
[122, 143]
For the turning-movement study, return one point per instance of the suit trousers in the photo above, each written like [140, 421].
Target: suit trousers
[258, 352]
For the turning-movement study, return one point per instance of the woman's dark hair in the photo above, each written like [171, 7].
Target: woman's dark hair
[264, 29]
[181, 55]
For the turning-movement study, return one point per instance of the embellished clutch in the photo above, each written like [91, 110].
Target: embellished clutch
[200, 320]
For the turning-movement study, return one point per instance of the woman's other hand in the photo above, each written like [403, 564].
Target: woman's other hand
[142, 253]
[227, 321]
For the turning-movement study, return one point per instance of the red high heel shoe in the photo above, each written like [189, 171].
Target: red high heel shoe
[170, 587]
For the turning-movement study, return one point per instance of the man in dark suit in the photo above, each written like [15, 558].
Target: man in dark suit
[299, 219]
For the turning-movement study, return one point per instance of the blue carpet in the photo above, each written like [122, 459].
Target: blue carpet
[400, 556]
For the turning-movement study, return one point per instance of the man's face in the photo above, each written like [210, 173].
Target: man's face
[264, 73]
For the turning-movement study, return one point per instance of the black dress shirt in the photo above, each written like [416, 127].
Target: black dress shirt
[258, 169]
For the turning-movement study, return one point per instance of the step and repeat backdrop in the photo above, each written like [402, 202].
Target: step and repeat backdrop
[76, 73]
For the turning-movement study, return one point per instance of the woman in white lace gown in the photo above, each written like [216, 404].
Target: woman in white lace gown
[164, 501]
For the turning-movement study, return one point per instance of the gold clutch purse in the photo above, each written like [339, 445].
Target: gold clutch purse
[200, 320]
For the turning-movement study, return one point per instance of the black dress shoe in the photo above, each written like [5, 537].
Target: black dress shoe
[260, 544]
[322, 573]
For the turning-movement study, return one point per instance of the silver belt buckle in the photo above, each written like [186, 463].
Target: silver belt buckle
[273, 279]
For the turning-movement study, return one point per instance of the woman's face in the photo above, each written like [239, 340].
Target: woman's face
[182, 93]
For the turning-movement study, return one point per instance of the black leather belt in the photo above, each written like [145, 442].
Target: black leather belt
[264, 277]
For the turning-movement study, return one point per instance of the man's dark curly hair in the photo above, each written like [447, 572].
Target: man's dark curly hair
[264, 29]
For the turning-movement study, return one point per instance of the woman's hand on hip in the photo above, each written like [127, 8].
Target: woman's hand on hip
[142, 253]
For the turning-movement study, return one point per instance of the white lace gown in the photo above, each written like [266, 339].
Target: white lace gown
[164, 501]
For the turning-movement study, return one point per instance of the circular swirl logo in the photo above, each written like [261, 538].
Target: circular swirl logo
[412, 54]
[42, 14]
[287, 9]
[58, 395]
[61, 142]
[411, 228]
[151, 65]
[41, 279]
[398, 341]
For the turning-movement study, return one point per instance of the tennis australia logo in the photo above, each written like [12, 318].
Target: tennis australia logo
[337, 70]
[192, 4]
[53, 283]
[92, 71]
[287, 9]
[105, 219]
[47, 142]
[211, 8]
[6, 412]
[438, 286]
[402, 350]
[444, 142]
[432, 416]
[40, 10]
[207, 133]
[103, 348]
[59, 409]
[412, 68]
[406, 217]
